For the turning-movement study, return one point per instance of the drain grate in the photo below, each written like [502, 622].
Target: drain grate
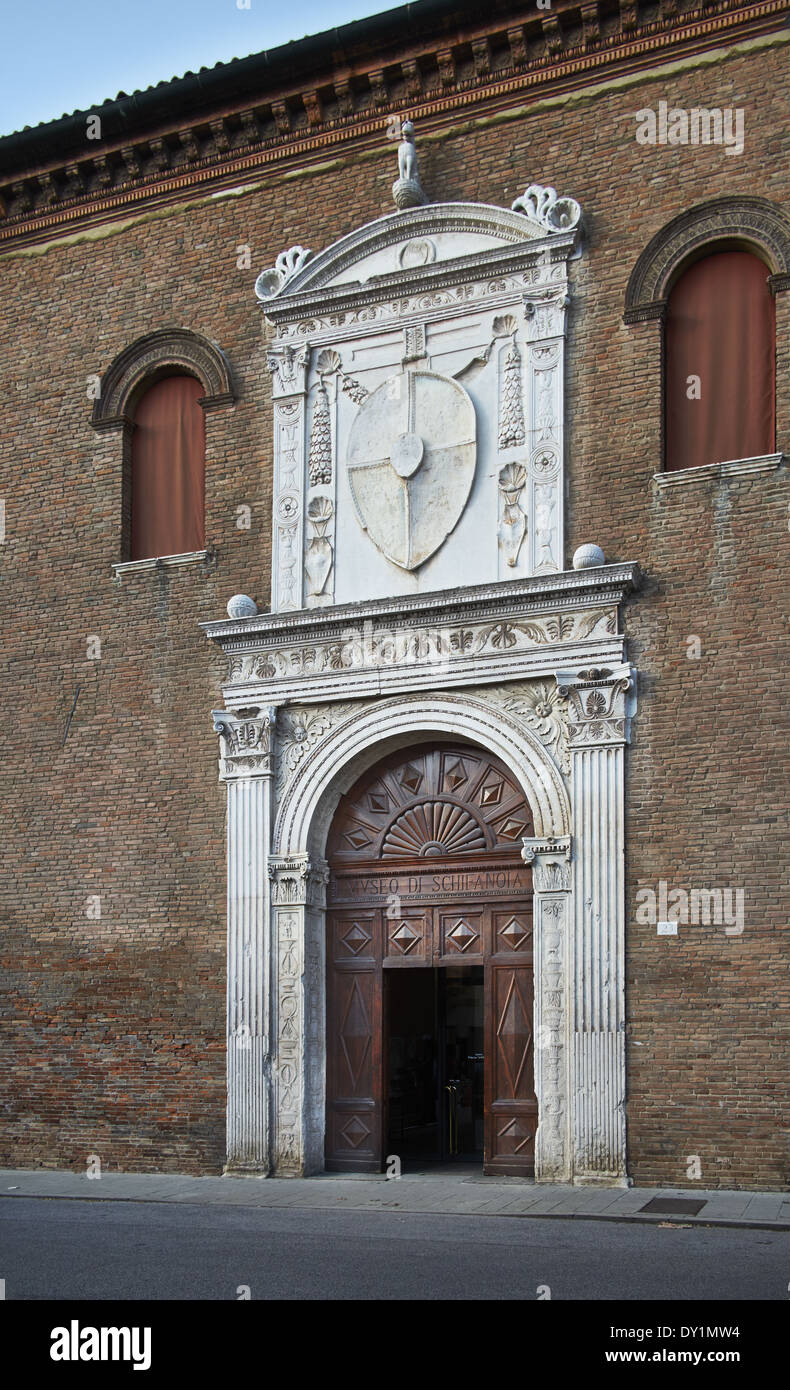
[674, 1206]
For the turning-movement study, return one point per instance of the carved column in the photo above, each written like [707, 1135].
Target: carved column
[246, 768]
[551, 880]
[298, 907]
[599, 715]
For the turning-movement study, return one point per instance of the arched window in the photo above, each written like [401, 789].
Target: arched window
[168, 469]
[154, 396]
[720, 362]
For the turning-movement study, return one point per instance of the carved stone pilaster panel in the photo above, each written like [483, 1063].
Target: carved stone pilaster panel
[289, 1047]
[545, 496]
[288, 366]
[550, 860]
[298, 898]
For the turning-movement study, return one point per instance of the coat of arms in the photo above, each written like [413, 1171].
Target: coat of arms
[411, 463]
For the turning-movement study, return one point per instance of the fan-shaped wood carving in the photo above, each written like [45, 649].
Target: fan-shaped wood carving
[431, 802]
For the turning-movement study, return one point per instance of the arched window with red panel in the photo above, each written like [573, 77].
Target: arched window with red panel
[720, 362]
[168, 469]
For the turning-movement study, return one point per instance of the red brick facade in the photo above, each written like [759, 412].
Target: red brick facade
[114, 1037]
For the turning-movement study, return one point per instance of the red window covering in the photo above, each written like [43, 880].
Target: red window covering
[720, 327]
[168, 470]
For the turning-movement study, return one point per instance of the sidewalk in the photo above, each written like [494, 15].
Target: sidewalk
[430, 1192]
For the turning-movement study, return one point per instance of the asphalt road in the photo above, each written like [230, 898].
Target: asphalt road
[55, 1249]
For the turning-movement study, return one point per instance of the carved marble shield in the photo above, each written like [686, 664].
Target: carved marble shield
[411, 463]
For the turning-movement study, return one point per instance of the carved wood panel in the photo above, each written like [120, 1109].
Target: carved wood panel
[511, 1111]
[430, 803]
[354, 1041]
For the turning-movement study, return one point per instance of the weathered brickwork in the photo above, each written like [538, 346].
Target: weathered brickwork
[115, 1025]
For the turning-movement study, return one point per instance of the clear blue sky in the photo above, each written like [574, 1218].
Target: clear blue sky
[58, 56]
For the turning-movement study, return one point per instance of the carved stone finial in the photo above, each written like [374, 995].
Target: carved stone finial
[541, 205]
[407, 189]
[276, 277]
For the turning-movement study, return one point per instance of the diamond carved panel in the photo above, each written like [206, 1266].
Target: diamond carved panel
[356, 938]
[513, 931]
[405, 938]
[514, 1033]
[355, 1132]
[462, 936]
[355, 1034]
[515, 1136]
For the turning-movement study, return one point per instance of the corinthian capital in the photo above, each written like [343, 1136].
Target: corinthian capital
[298, 881]
[246, 741]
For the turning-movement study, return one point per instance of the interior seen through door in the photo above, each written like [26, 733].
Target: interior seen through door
[434, 1064]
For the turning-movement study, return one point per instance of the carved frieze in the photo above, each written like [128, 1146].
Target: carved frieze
[505, 632]
[372, 647]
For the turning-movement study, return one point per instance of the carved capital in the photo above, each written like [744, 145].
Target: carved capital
[247, 741]
[550, 861]
[600, 705]
[298, 881]
[288, 366]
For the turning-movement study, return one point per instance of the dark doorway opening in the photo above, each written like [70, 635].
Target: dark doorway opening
[434, 1064]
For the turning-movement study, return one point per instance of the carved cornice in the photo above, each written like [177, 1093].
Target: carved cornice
[566, 589]
[246, 739]
[294, 123]
[503, 631]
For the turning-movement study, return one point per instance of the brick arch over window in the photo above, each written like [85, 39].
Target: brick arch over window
[162, 353]
[746, 224]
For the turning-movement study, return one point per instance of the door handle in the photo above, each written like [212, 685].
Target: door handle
[452, 1106]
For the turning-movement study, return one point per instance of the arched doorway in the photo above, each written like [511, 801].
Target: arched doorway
[429, 960]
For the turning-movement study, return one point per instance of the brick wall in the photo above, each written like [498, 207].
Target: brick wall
[116, 1026]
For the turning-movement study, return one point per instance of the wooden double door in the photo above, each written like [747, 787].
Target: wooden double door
[403, 927]
[363, 946]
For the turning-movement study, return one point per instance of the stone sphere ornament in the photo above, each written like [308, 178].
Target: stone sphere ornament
[587, 557]
[242, 606]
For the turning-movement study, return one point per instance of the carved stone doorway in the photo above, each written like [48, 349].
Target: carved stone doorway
[427, 873]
